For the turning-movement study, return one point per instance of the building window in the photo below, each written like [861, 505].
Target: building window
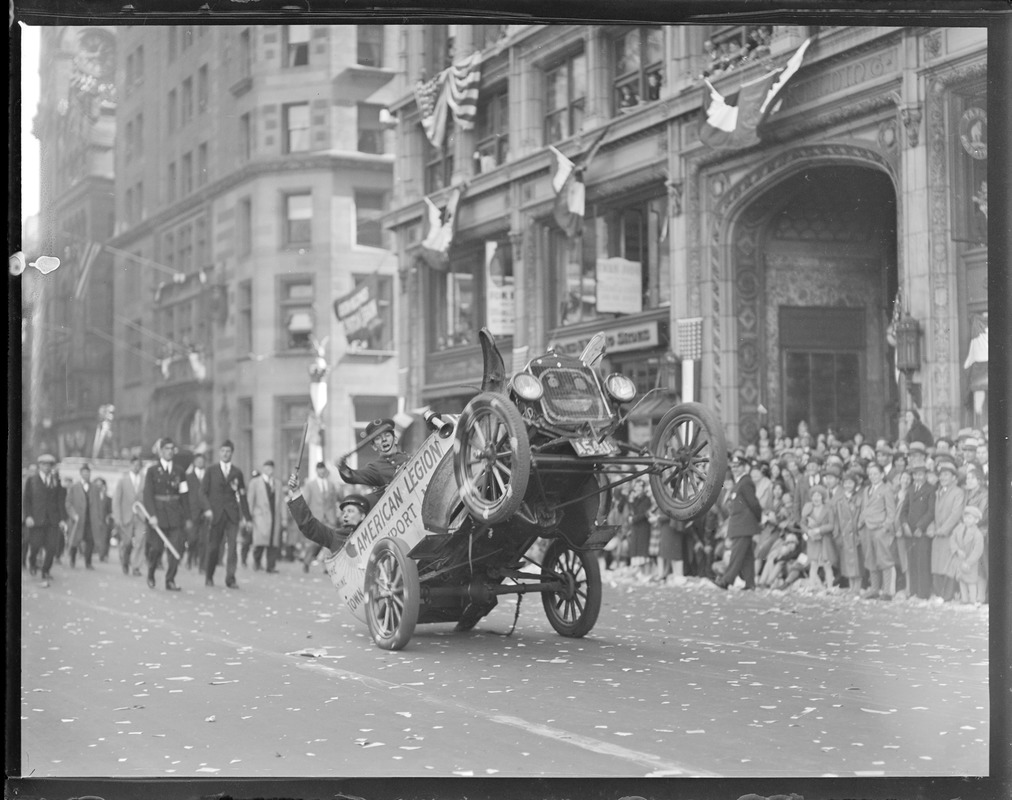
[456, 313]
[203, 89]
[295, 118]
[245, 137]
[129, 74]
[291, 421]
[638, 67]
[133, 368]
[173, 111]
[139, 136]
[369, 207]
[244, 227]
[187, 174]
[244, 318]
[187, 37]
[138, 206]
[296, 313]
[139, 66]
[438, 53]
[244, 426]
[296, 46]
[380, 334]
[439, 162]
[370, 132]
[245, 54]
[202, 164]
[731, 47]
[487, 35]
[128, 151]
[619, 265]
[173, 42]
[493, 131]
[171, 183]
[565, 98]
[185, 241]
[202, 252]
[168, 250]
[186, 111]
[128, 202]
[298, 219]
[370, 45]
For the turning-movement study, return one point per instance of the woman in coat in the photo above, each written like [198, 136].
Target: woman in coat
[818, 525]
[846, 510]
[949, 503]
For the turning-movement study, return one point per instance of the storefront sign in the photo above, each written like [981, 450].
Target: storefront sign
[639, 336]
[619, 286]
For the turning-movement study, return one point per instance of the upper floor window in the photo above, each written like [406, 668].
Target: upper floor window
[173, 110]
[296, 127]
[369, 207]
[203, 89]
[298, 219]
[202, 175]
[171, 183]
[493, 131]
[173, 42]
[245, 53]
[139, 65]
[370, 132]
[370, 45]
[565, 98]
[732, 47]
[638, 68]
[244, 317]
[187, 174]
[438, 50]
[244, 227]
[139, 135]
[455, 301]
[296, 47]
[187, 37]
[186, 111]
[245, 137]
[296, 313]
[439, 161]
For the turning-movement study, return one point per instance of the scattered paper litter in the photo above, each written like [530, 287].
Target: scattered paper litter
[210, 718]
[403, 713]
[876, 711]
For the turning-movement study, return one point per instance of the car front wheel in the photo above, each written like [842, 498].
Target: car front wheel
[573, 609]
[690, 436]
[393, 596]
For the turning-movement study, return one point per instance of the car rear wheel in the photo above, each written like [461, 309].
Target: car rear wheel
[491, 458]
[393, 596]
[691, 435]
[574, 609]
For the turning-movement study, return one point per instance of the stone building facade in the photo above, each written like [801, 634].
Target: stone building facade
[788, 256]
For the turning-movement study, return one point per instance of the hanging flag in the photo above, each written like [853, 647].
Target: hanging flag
[358, 310]
[197, 365]
[732, 122]
[570, 193]
[441, 223]
[88, 256]
[455, 90]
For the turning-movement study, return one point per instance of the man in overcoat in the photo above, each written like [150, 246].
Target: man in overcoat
[742, 525]
[226, 493]
[167, 503]
[85, 511]
[916, 515]
[44, 515]
[950, 500]
[131, 525]
[266, 510]
[321, 497]
[876, 526]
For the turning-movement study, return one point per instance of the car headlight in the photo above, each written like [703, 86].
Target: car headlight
[527, 386]
[620, 387]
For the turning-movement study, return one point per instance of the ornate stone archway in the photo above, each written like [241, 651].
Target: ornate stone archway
[734, 254]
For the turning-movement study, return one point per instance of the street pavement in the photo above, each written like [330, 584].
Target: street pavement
[277, 680]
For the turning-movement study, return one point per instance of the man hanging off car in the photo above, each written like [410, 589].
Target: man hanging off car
[353, 510]
[380, 472]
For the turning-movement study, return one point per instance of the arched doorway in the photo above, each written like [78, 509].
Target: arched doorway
[814, 266]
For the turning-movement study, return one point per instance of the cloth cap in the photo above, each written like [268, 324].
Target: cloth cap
[974, 512]
[379, 423]
[46, 458]
[945, 439]
[356, 500]
[946, 464]
[917, 447]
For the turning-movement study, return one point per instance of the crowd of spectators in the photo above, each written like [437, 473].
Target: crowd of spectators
[888, 520]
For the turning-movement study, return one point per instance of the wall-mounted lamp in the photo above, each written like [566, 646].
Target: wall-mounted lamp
[908, 354]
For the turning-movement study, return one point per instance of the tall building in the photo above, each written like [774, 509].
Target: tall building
[71, 310]
[252, 168]
[771, 265]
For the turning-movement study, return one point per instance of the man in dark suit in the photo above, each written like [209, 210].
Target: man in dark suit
[44, 516]
[168, 507]
[225, 490]
[742, 525]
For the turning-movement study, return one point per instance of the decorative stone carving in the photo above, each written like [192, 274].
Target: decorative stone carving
[932, 45]
[910, 116]
[887, 136]
[674, 198]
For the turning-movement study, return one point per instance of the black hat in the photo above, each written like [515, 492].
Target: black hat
[356, 500]
[379, 423]
[320, 465]
[227, 443]
[269, 463]
[164, 441]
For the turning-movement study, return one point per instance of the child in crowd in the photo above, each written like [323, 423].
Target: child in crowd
[818, 516]
[967, 545]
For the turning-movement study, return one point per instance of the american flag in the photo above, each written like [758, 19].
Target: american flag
[455, 89]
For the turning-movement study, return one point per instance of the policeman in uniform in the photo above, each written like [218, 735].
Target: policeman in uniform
[167, 502]
[380, 472]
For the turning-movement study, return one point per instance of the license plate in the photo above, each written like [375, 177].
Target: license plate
[592, 447]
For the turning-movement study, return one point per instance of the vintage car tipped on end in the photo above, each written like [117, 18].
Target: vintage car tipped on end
[532, 456]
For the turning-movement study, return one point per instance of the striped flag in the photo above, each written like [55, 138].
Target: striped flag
[732, 122]
[441, 224]
[570, 193]
[88, 256]
[455, 90]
